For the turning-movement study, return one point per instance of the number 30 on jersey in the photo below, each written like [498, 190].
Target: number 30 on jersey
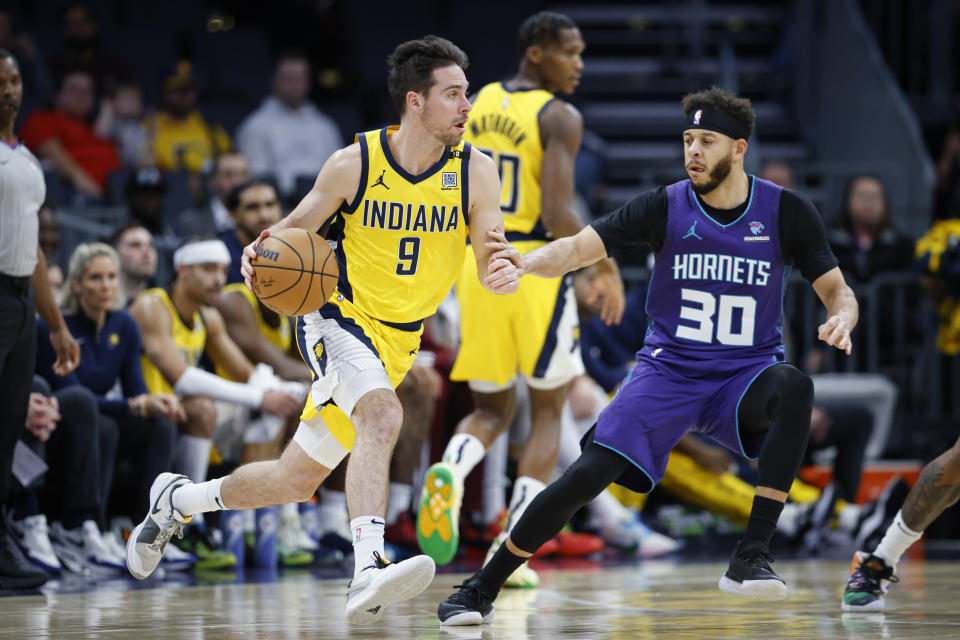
[704, 328]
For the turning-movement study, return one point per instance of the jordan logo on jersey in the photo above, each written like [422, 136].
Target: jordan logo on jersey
[692, 232]
[380, 182]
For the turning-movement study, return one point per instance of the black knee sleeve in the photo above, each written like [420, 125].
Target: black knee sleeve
[779, 403]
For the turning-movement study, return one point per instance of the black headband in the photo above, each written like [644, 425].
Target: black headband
[718, 121]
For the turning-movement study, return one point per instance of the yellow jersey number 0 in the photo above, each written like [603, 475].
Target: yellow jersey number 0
[508, 166]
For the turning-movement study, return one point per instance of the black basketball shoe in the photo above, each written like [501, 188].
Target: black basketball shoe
[749, 574]
[472, 604]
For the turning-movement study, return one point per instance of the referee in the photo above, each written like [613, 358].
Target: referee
[23, 286]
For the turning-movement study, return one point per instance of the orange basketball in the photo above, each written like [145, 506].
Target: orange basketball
[294, 272]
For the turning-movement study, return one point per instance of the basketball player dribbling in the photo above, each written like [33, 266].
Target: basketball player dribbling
[404, 200]
[713, 357]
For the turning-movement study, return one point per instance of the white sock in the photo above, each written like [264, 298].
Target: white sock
[524, 491]
[332, 512]
[192, 457]
[367, 538]
[896, 540]
[464, 451]
[249, 520]
[196, 498]
[399, 501]
[290, 510]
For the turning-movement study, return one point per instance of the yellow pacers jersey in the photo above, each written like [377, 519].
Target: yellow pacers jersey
[505, 125]
[280, 336]
[191, 341]
[400, 243]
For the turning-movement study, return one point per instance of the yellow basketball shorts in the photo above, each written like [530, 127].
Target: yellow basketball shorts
[534, 332]
[350, 355]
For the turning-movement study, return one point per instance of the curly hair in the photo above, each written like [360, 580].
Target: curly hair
[724, 101]
[410, 66]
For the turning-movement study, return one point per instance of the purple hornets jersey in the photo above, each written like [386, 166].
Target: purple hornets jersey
[717, 290]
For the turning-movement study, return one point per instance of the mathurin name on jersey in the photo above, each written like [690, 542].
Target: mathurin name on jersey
[399, 216]
[495, 123]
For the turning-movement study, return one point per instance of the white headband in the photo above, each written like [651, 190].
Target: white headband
[202, 252]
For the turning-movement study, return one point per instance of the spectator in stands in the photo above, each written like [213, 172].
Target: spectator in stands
[110, 353]
[37, 85]
[864, 239]
[63, 429]
[145, 196]
[779, 173]
[288, 136]
[82, 50]
[121, 120]
[64, 137]
[49, 232]
[179, 136]
[254, 206]
[138, 259]
[228, 171]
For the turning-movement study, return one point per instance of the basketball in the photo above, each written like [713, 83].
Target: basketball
[294, 272]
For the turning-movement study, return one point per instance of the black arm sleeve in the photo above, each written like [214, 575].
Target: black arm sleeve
[641, 220]
[803, 237]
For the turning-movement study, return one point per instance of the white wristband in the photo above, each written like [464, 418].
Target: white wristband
[197, 382]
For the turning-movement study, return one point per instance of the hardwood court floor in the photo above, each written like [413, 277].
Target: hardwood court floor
[649, 600]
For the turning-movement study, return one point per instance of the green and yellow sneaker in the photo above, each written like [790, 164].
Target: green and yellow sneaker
[438, 531]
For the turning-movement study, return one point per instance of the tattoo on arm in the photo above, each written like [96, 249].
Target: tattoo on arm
[937, 489]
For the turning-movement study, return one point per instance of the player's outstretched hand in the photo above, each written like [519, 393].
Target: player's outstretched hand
[836, 332]
[249, 255]
[607, 290]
